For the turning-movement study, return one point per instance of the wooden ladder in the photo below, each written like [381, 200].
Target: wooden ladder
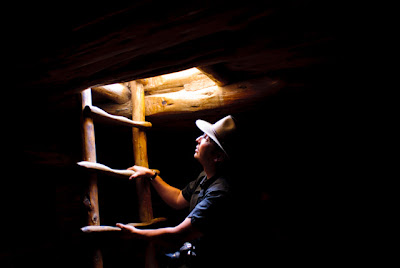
[139, 125]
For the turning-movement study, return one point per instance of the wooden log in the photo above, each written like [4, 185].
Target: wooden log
[193, 83]
[124, 173]
[140, 156]
[215, 74]
[172, 80]
[100, 229]
[103, 228]
[140, 152]
[98, 113]
[90, 201]
[115, 92]
[232, 98]
[89, 154]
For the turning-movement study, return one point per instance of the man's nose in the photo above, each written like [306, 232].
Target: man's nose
[199, 139]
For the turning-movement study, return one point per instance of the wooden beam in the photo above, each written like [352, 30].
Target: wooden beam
[171, 80]
[140, 152]
[216, 74]
[103, 228]
[98, 113]
[190, 79]
[234, 97]
[89, 154]
[140, 156]
[118, 93]
[124, 173]
[90, 201]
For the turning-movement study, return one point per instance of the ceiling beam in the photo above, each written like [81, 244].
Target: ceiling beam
[216, 74]
[233, 97]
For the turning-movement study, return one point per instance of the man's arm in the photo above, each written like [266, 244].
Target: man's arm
[185, 231]
[171, 195]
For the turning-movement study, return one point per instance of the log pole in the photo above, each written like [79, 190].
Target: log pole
[118, 93]
[140, 152]
[140, 156]
[89, 154]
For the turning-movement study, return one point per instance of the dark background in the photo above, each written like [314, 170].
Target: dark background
[289, 151]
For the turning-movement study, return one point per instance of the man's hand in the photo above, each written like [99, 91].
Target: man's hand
[134, 232]
[141, 172]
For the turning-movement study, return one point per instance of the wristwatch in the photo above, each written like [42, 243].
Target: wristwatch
[154, 176]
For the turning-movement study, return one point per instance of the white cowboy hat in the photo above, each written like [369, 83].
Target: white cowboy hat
[221, 131]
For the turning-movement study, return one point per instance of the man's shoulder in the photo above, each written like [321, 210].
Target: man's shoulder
[199, 179]
[222, 183]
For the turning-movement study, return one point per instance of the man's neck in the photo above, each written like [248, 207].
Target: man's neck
[210, 171]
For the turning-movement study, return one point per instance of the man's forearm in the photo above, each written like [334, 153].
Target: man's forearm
[169, 194]
[163, 236]
[151, 234]
[178, 234]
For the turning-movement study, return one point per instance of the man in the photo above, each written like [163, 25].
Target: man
[208, 197]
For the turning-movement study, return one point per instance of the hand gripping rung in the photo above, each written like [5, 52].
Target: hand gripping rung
[125, 173]
[104, 228]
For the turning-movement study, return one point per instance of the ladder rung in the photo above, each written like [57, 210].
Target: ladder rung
[103, 228]
[103, 115]
[103, 168]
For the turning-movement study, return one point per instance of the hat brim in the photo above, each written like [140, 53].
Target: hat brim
[209, 130]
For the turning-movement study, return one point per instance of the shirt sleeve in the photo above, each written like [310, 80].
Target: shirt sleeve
[189, 190]
[210, 211]
[191, 187]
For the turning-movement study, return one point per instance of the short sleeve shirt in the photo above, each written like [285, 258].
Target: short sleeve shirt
[208, 200]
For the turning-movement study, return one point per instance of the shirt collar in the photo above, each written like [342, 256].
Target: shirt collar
[205, 183]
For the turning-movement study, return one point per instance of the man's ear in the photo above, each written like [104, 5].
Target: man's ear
[220, 157]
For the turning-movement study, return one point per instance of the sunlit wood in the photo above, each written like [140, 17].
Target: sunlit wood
[118, 93]
[140, 152]
[233, 97]
[191, 79]
[99, 114]
[104, 228]
[124, 173]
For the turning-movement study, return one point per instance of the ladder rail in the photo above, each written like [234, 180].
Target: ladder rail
[89, 154]
[140, 152]
[90, 201]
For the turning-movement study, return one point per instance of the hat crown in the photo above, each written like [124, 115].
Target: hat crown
[224, 127]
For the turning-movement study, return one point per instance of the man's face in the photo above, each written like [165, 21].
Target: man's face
[205, 149]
